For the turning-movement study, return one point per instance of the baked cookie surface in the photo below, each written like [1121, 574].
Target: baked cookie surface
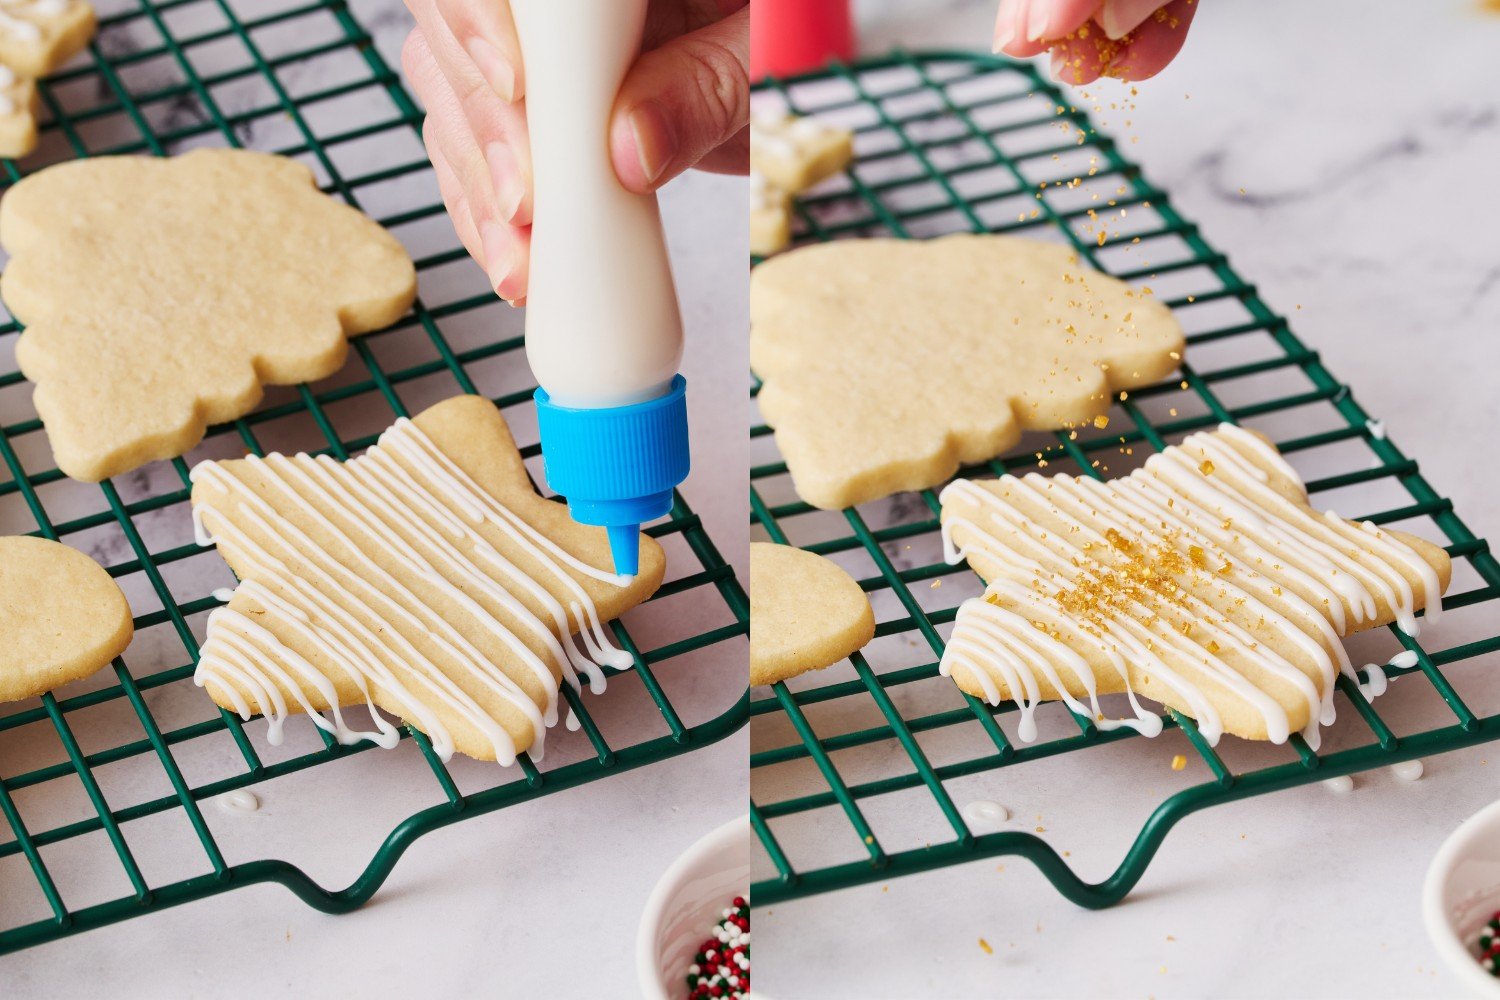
[425, 577]
[805, 613]
[61, 616]
[1204, 581]
[189, 283]
[889, 363]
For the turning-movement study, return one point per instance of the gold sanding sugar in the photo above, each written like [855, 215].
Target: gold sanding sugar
[1207, 468]
[985, 946]
[1179, 762]
[1101, 422]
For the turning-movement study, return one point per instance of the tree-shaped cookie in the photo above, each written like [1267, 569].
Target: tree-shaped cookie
[159, 295]
[1203, 580]
[888, 363]
[425, 577]
[36, 37]
[61, 616]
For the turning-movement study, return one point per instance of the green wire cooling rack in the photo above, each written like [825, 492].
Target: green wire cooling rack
[848, 761]
[304, 80]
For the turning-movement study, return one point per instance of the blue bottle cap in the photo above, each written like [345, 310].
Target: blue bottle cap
[617, 465]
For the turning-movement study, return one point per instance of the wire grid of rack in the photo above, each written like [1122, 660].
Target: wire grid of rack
[946, 142]
[311, 85]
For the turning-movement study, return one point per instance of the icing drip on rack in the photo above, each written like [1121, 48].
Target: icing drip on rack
[1194, 571]
[328, 549]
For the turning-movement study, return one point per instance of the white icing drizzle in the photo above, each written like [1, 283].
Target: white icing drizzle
[403, 506]
[1209, 507]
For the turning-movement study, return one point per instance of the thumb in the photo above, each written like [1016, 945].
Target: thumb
[680, 102]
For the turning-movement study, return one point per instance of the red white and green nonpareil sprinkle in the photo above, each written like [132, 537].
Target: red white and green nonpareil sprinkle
[1489, 945]
[721, 965]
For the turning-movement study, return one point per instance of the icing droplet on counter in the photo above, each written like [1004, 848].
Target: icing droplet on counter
[1340, 785]
[986, 811]
[1408, 770]
[241, 800]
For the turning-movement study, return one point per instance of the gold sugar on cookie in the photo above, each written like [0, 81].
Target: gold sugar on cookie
[425, 578]
[1204, 581]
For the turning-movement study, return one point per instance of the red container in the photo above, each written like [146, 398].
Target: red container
[794, 36]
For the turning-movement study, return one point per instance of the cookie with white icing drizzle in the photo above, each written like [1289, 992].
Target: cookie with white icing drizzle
[36, 37]
[1204, 581]
[18, 102]
[795, 153]
[424, 577]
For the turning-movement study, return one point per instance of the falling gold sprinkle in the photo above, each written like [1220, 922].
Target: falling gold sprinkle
[1101, 422]
[1179, 762]
[985, 947]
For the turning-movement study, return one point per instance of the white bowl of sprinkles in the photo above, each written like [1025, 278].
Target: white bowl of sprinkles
[685, 906]
[1461, 894]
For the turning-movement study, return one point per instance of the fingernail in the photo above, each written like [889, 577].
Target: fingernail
[1037, 21]
[655, 139]
[495, 68]
[496, 253]
[510, 182]
[1005, 30]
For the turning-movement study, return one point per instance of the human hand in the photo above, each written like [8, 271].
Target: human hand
[1126, 39]
[685, 102]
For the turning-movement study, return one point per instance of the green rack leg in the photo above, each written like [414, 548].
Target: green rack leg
[938, 88]
[106, 78]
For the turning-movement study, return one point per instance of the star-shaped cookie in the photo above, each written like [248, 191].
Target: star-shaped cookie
[888, 363]
[425, 577]
[1204, 580]
[187, 283]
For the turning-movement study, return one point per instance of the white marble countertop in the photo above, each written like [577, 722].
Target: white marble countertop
[1362, 133]
[538, 899]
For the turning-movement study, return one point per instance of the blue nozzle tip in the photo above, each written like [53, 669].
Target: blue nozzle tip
[617, 465]
[625, 547]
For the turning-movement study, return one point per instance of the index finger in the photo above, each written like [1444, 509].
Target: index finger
[487, 33]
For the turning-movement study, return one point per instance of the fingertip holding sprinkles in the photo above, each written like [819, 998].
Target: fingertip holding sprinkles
[721, 964]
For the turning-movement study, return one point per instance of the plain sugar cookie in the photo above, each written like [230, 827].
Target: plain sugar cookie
[425, 577]
[805, 613]
[186, 284]
[61, 617]
[1204, 581]
[889, 363]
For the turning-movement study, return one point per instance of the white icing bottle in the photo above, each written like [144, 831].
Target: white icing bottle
[603, 330]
